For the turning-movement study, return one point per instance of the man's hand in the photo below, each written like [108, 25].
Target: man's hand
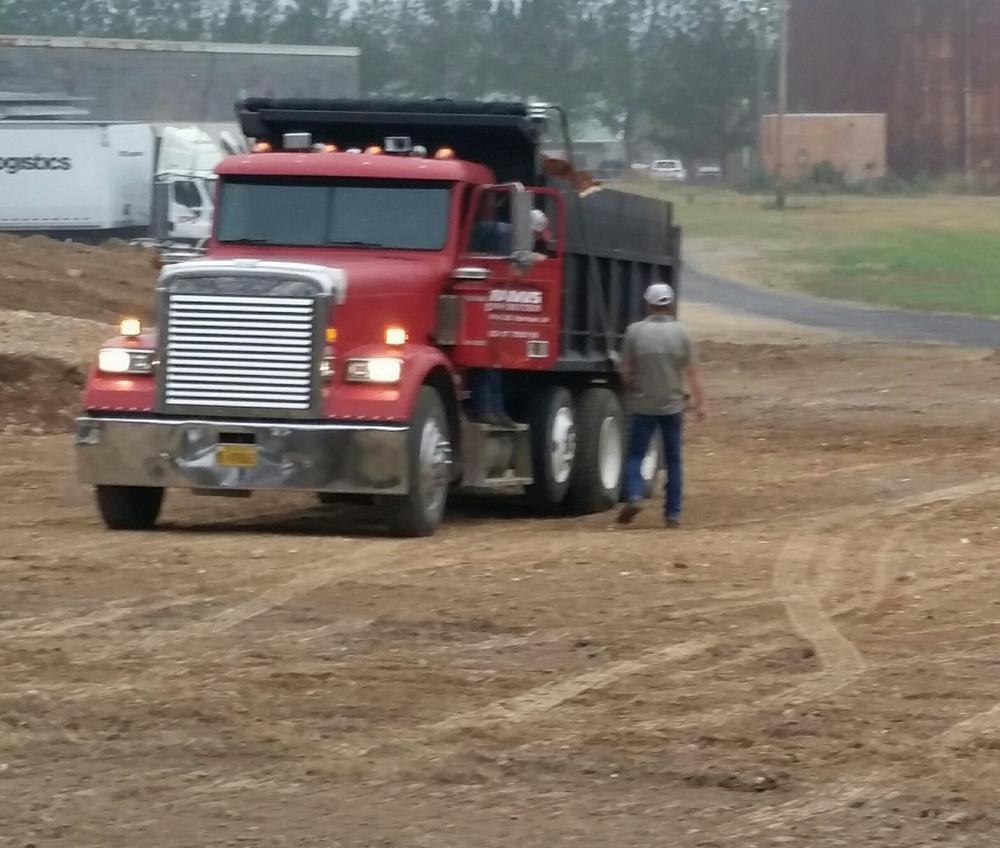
[697, 392]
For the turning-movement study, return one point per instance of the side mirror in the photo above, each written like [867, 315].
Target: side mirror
[522, 238]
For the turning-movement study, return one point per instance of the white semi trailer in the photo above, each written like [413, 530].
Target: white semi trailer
[91, 181]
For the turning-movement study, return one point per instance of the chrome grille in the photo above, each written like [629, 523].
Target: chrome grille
[240, 352]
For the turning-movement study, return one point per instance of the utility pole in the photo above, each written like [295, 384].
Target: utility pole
[763, 10]
[967, 102]
[780, 189]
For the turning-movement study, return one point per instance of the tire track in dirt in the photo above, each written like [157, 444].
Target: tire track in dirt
[550, 695]
[879, 785]
[96, 618]
[841, 660]
[537, 702]
[313, 575]
[192, 548]
[314, 579]
[967, 730]
[875, 786]
[845, 669]
[820, 684]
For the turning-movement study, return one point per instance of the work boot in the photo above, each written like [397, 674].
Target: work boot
[504, 420]
[672, 523]
[629, 512]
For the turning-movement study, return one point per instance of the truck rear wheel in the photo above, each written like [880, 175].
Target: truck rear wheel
[600, 459]
[421, 510]
[129, 507]
[553, 446]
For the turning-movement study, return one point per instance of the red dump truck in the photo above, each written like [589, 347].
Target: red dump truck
[326, 341]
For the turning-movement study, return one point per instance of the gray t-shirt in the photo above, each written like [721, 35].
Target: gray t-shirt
[656, 351]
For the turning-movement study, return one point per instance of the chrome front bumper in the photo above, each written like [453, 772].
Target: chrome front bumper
[339, 458]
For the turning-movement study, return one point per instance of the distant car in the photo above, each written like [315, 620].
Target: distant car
[610, 169]
[668, 170]
[709, 172]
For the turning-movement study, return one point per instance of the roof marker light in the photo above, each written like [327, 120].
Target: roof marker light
[262, 147]
[445, 153]
[374, 150]
[297, 141]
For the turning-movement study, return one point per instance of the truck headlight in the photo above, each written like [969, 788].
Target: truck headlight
[120, 360]
[384, 370]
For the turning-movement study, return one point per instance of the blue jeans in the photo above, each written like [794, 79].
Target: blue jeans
[486, 389]
[643, 428]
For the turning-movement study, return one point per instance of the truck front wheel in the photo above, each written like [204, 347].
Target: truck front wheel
[597, 473]
[129, 507]
[421, 510]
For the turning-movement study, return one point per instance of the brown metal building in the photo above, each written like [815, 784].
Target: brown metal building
[933, 66]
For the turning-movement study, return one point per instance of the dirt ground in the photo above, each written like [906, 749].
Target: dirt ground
[812, 661]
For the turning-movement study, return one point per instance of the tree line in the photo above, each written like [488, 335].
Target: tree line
[686, 75]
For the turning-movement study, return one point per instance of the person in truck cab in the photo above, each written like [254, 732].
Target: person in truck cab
[493, 237]
[542, 235]
[490, 235]
[657, 359]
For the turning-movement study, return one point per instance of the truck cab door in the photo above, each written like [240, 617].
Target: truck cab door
[188, 210]
[508, 282]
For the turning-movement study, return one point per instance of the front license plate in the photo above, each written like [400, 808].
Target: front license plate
[236, 456]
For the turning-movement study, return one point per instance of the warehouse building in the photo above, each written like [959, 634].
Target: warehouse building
[931, 66]
[169, 82]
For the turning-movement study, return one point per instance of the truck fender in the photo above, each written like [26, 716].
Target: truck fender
[429, 367]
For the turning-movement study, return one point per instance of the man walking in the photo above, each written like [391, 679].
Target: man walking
[657, 361]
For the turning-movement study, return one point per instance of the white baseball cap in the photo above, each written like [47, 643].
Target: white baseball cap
[539, 221]
[659, 294]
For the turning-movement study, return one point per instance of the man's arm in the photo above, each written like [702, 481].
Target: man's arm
[693, 378]
[623, 359]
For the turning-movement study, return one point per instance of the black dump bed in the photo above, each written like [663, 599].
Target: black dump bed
[498, 135]
[617, 242]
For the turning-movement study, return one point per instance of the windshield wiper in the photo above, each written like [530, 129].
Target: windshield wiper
[354, 244]
[246, 241]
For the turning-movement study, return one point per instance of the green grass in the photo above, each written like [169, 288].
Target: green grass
[913, 269]
[933, 252]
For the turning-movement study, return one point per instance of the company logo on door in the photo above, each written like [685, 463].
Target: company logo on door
[16, 164]
[514, 300]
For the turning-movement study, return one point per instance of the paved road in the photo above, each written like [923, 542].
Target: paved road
[815, 312]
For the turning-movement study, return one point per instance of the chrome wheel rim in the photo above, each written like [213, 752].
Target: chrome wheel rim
[435, 458]
[610, 452]
[562, 445]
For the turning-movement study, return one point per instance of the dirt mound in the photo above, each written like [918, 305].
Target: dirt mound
[97, 282]
[72, 340]
[37, 394]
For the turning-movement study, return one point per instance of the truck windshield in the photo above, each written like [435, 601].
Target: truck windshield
[398, 215]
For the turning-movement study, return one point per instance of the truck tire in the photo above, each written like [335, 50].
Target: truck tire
[600, 459]
[652, 465]
[129, 507]
[421, 510]
[552, 420]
